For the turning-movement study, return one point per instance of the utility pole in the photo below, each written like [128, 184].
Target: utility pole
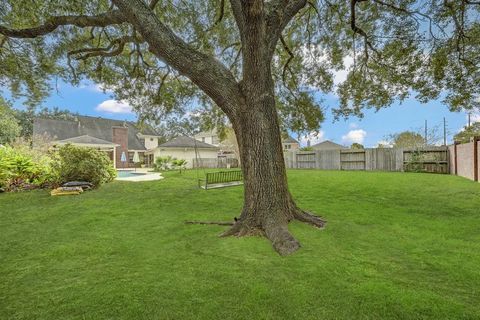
[444, 132]
[469, 117]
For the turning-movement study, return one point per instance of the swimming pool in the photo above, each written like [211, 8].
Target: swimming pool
[128, 174]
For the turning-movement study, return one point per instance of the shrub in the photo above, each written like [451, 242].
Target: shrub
[23, 168]
[83, 164]
[162, 163]
[180, 164]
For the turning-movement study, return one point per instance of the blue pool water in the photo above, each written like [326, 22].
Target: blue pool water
[128, 174]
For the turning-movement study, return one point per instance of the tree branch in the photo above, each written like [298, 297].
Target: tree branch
[101, 20]
[210, 75]
[279, 16]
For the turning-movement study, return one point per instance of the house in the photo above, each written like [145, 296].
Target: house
[210, 137]
[290, 144]
[186, 148]
[115, 137]
[328, 145]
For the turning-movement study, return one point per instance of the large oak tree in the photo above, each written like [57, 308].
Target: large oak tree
[257, 63]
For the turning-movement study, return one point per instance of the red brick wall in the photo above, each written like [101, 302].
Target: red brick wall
[120, 136]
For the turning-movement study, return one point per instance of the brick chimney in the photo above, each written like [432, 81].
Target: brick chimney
[120, 136]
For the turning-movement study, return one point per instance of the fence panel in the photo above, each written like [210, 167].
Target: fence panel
[214, 163]
[433, 160]
[352, 160]
[306, 160]
[328, 160]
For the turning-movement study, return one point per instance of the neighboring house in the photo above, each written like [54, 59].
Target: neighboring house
[328, 145]
[186, 148]
[290, 144]
[115, 137]
[210, 137]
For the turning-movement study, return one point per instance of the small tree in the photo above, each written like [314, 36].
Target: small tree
[180, 164]
[407, 139]
[356, 145]
[162, 163]
[467, 133]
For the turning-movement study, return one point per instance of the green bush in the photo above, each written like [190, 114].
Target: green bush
[83, 164]
[180, 164]
[162, 163]
[23, 168]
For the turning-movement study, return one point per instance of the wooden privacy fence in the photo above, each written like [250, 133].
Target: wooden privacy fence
[432, 159]
[214, 163]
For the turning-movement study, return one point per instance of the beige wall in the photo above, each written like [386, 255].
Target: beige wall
[185, 153]
[465, 160]
[290, 146]
[150, 142]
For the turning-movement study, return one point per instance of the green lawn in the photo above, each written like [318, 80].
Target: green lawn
[397, 246]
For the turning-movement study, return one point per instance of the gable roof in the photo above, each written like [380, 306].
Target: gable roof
[328, 145]
[208, 133]
[289, 139]
[86, 139]
[95, 127]
[186, 142]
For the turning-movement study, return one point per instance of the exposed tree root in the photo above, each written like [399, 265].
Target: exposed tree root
[220, 223]
[309, 218]
[274, 230]
[282, 240]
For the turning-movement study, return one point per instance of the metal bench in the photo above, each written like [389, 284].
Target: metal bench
[221, 179]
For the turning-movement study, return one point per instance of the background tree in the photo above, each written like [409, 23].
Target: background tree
[407, 139]
[357, 146]
[468, 133]
[256, 63]
[9, 127]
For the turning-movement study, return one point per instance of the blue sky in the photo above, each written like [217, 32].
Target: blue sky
[88, 99]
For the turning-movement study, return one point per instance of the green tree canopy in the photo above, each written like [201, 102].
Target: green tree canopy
[407, 139]
[9, 127]
[357, 146]
[468, 133]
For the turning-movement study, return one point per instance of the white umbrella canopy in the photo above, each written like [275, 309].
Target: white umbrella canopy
[136, 157]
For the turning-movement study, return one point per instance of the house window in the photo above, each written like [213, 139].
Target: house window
[287, 146]
[151, 139]
[130, 157]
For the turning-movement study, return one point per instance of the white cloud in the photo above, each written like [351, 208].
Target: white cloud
[383, 143]
[114, 106]
[353, 125]
[314, 137]
[95, 87]
[354, 136]
[341, 75]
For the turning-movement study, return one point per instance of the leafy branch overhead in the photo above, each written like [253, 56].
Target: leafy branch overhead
[391, 48]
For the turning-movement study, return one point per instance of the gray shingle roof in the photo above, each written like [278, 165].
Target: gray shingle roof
[96, 127]
[328, 145]
[186, 142]
[289, 140]
[86, 139]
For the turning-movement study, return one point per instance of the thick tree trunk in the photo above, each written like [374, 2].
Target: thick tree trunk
[268, 205]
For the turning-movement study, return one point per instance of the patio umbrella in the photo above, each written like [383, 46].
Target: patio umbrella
[136, 159]
[123, 158]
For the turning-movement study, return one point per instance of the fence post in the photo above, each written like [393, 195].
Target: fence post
[475, 158]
